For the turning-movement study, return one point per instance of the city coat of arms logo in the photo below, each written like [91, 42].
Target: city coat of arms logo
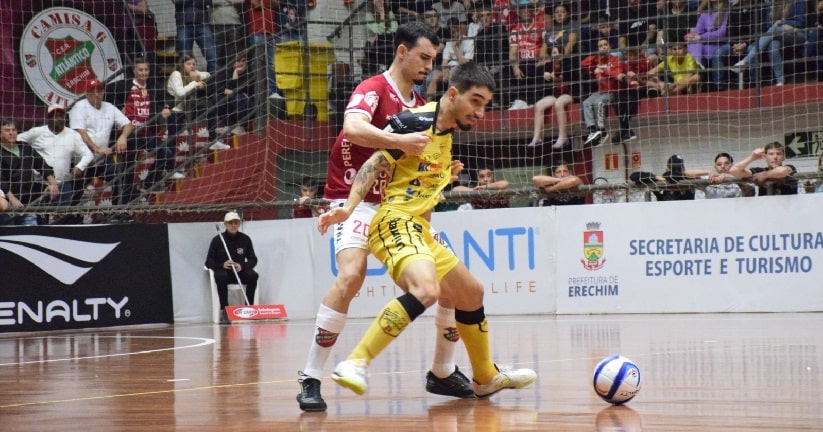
[63, 48]
[593, 247]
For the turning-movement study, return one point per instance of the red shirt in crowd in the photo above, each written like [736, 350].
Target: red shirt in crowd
[528, 38]
[138, 108]
[261, 16]
[605, 69]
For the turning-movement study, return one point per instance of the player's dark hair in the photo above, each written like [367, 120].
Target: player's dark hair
[471, 74]
[140, 60]
[773, 145]
[8, 121]
[308, 182]
[725, 155]
[409, 34]
[559, 164]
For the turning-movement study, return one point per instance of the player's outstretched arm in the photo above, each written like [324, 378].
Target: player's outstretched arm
[363, 181]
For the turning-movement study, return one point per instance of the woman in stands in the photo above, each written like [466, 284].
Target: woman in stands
[191, 102]
[561, 76]
[709, 33]
[787, 19]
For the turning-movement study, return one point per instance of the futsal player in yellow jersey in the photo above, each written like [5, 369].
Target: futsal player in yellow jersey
[399, 236]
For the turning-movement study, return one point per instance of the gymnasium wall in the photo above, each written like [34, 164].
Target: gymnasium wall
[737, 255]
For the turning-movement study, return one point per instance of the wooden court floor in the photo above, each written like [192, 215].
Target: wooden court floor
[713, 372]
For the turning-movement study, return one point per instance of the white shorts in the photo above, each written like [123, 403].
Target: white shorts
[354, 231]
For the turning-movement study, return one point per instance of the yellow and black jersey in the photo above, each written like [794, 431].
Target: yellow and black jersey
[415, 182]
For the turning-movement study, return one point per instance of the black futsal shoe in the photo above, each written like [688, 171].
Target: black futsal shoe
[455, 385]
[309, 397]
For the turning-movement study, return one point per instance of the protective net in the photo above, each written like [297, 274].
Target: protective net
[250, 116]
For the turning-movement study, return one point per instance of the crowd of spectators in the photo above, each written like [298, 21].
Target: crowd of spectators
[605, 55]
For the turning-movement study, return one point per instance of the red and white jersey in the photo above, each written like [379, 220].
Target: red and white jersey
[528, 38]
[138, 106]
[378, 98]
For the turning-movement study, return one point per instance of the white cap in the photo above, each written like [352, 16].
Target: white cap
[231, 216]
[56, 107]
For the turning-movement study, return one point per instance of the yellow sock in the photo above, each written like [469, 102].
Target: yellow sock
[382, 331]
[476, 339]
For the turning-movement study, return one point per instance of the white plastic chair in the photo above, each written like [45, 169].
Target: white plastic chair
[235, 296]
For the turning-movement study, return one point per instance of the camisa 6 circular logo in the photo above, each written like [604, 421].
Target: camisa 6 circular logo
[61, 49]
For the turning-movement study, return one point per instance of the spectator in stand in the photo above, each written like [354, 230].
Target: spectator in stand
[505, 13]
[192, 20]
[673, 24]
[378, 31]
[561, 33]
[94, 119]
[141, 21]
[450, 8]
[561, 180]
[308, 192]
[432, 19]
[144, 100]
[775, 175]
[675, 172]
[486, 181]
[60, 146]
[718, 178]
[681, 73]
[379, 34]
[25, 176]
[589, 11]
[410, 10]
[229, 29]
[787, 20]
[562, 76]
[742, 18]
[290, 23]
[638, 26]
[191, 102]
[379, 21]
[610, 74]
[814, 45]
[242, 258]
[601, 26]
[491, 44]
[262, 29]
[819, 172]
[709, 32]
[525, 46]
[234, 95]
[637, 67]
[459, 49]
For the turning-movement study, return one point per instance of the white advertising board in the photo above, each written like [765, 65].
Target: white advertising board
[732, 255]
[509, 251]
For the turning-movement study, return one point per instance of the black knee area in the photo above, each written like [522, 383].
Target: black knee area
[473, 317]
[412, 306]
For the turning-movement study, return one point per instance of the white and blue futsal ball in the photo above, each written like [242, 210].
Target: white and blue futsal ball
[616, 379]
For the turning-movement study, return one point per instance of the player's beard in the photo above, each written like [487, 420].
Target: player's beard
[464, 127]
[419, 82]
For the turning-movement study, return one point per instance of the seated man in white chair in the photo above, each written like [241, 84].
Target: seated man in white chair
[242, 258]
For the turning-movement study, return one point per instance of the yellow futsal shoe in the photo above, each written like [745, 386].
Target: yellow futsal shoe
[506, 379]
[352, 374]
